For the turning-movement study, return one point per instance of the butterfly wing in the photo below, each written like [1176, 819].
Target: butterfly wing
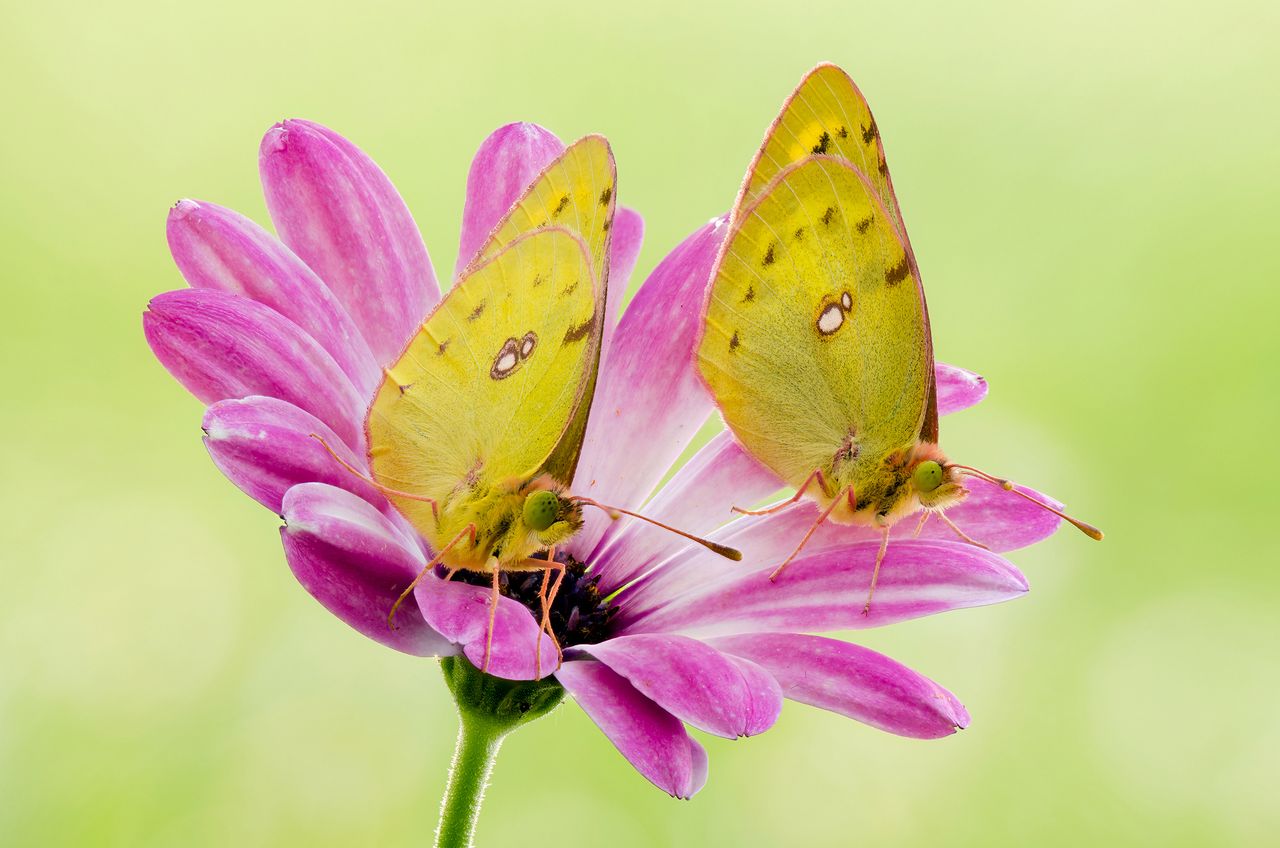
[577, 191]
[815, 340]
[828, 115]
[491, 383]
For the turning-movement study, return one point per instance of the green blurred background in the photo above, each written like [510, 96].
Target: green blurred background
[1092, 191]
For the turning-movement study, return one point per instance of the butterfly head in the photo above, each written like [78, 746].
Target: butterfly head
[550, 515]
[935, 482]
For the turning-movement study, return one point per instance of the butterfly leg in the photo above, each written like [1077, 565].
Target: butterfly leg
[493, 616]
[924, 516]
[548, 598]
[435, 506]
[875, 572]
[469, 530]
[963, 535]
[769, 510]
[812, 529]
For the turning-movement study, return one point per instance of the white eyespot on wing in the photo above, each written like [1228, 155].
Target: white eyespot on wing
[846, 301]
[527, 344]
[830, 319]
[507, 360]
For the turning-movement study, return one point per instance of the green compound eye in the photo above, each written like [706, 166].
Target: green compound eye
[541, 509]
[926, 477]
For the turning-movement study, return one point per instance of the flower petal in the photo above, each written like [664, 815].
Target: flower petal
[701, 765]
[626, 238]
[265, 446]
[223, 346]
[217, 248]
[827, 590]
[336, 209]
[652, 740]
[695, 682]
[649, 403]
[354, 562]
[461, 613]
[853, 681]
[504, 166]
[957, 388]
[697, 499]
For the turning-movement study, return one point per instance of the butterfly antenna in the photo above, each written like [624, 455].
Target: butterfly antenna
[1085, 528]
[435, 507]
[614, 511]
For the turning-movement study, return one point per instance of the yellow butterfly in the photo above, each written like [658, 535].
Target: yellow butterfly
[474, 433]
[816, 342]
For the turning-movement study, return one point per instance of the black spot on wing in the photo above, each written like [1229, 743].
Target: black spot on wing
[734, 342]
[750, 295]
[477, 312]
[571, 288]
[865, 223]
[843, 132]
[768, 257]
[871, 133]
[606, 195]
[898, 272]
[560, 207]
[883, 168]
[799, 234]
[580, 332]
[442, 347]
[824, 143]
[828, 215]
[537, 280]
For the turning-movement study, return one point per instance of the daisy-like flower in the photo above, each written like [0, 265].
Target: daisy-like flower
[285, 338]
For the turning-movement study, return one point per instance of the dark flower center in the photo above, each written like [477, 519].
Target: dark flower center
[580, 615]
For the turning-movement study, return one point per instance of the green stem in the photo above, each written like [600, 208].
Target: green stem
[473, 759]
[488, 709]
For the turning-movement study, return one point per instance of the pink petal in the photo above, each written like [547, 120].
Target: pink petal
[625, 241]
[649, 737]
[853, 681]
[336, 209]
[354, 562]
[827, 590]
[222, 346]
[695, 682]
[698, 779]
[504, 166]
[649, 403]
[697, 499]
[957, 388]
[219, 249]
[461, 613]
[264, 446]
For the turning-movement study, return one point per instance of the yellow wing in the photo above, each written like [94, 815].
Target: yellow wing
[578, 192]
[815, 344]
[488, 387]
[827, 115]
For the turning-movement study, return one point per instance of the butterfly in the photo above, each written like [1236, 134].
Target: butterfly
[815, 341]
[475, 431]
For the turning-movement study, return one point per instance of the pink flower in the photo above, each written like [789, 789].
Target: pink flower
[285, 338]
